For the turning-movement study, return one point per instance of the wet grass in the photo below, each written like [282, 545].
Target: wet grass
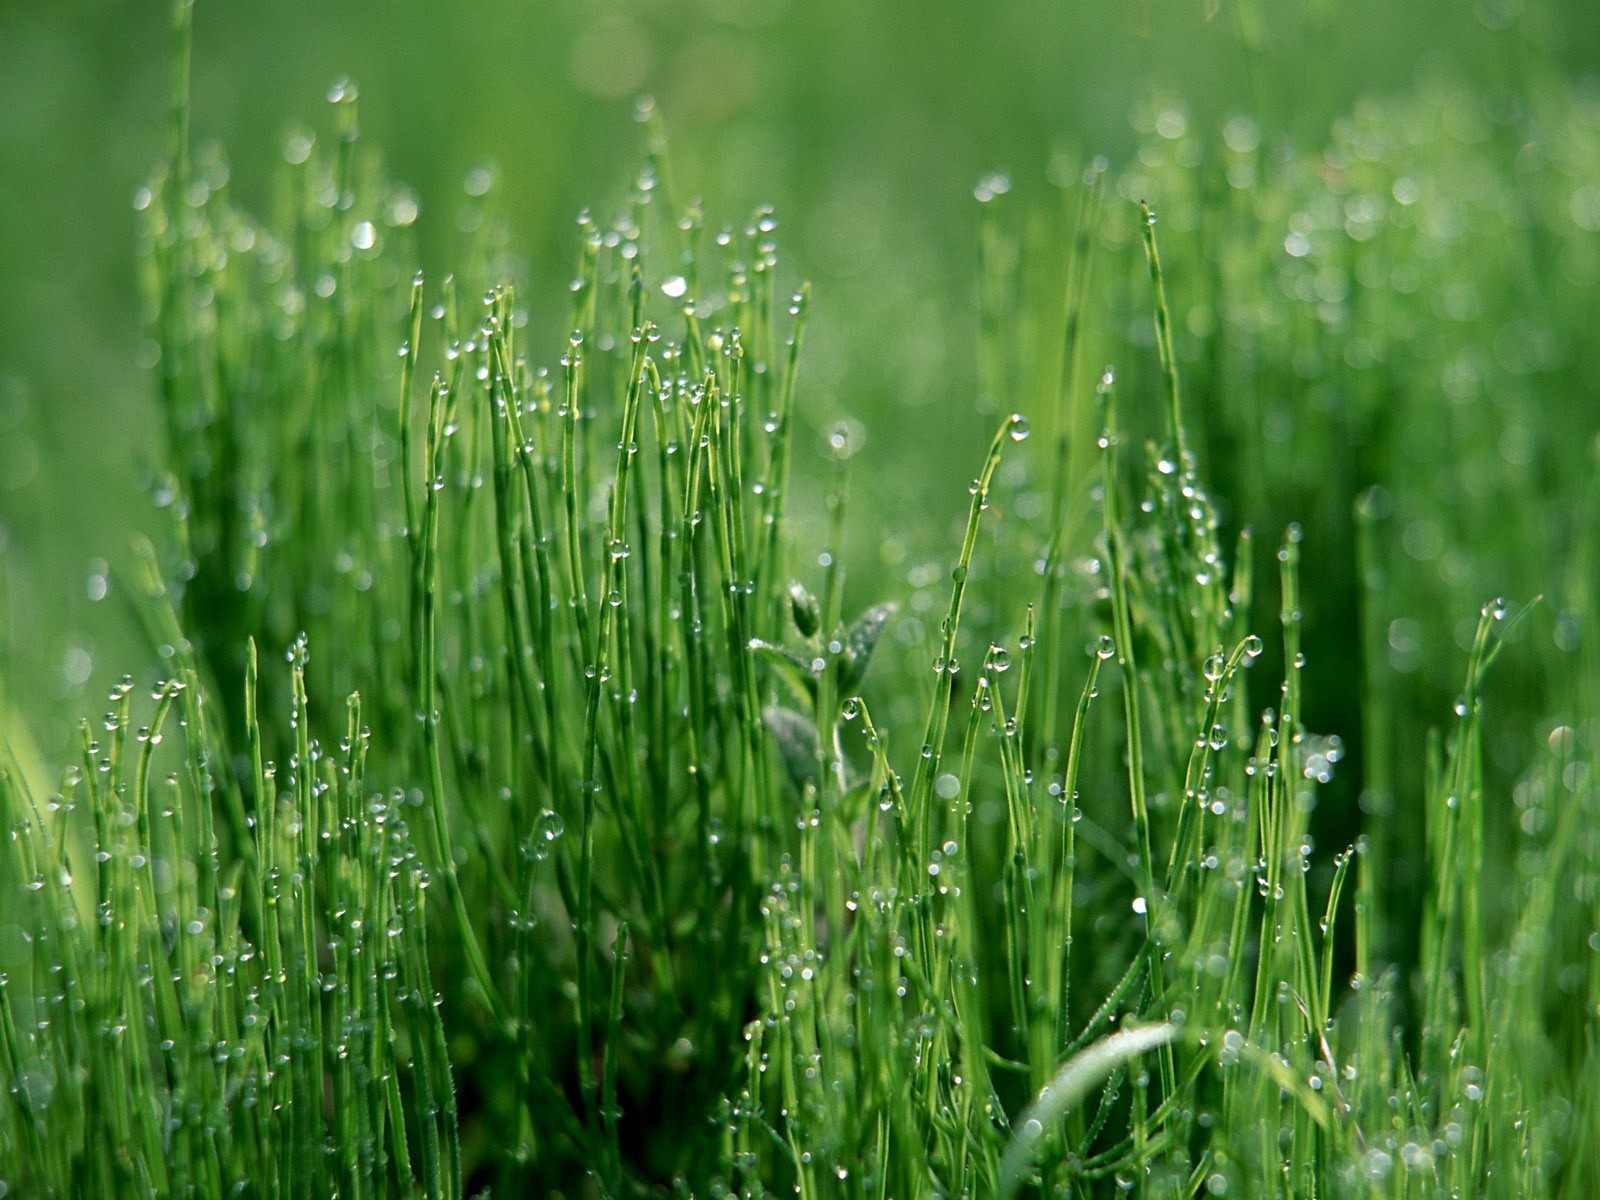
[533, 806]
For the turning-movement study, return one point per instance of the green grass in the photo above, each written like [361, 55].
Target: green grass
[600, 836]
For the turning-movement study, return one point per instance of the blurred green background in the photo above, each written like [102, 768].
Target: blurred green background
[865, 125]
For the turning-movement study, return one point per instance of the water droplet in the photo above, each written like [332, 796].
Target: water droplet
[1106, 647]
[1019, 428]
[551, 826]
[990, 186]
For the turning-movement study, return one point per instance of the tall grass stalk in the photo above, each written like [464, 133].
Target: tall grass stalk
[751, 877]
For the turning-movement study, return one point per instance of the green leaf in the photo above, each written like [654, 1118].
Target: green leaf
[797, 743]
[1071, 1083]
[859, 641]
[804, 610]
[798, 671]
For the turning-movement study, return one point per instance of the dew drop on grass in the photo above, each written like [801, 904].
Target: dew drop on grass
[947, 787]
[1106, 647]
[991, 186]
[1018, 430]
[851, 708]
[548, 829]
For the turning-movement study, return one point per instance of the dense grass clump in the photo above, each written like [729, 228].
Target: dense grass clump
[599, 838]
